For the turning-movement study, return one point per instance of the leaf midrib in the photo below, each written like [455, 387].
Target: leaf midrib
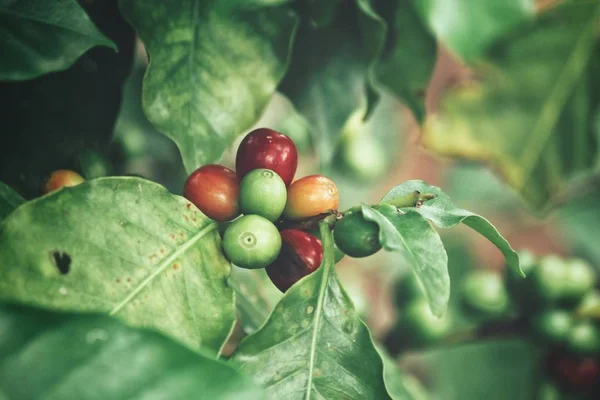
[328, 266]
[162, 266]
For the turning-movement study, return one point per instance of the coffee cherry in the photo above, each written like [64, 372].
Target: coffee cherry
[356, 236]
[310, 196]
[548, 280]
[62, 178]
[484, 294]
[407, 290]
[301, 254]
[214, 190]
[421, 326]
[251, 242]
[584, 339]
[266, 148]
[552, 326]
[580, 278]
[573, 373]
[262, 192]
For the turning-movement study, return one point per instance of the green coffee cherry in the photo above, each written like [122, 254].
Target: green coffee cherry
[584, 339]
[251, 242]
[262, 192]
[548, 279]
[579, 280]
[552, 326]
[421, 326]
[407, 290]
[483, 293]
[356, 236]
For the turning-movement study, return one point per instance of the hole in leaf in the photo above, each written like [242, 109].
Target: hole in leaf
[62, 261]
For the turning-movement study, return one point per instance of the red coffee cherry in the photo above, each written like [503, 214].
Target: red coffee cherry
[301, 254]
[310, 196]
[266, 148]
[214, 190]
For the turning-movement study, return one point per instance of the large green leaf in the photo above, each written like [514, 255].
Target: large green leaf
[38, 36]
[411, 235]
[494, 370]
[468, 27]
[9, 200]
[531, 117]
[125, 247]
[314, 346]
[329, 76]
[407, 64]
[444, 214]
[46, 355]
[48, 121]
[213, 67]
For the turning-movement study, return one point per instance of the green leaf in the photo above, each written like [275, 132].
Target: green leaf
[255, 297]
[406, 66]
[494, 370]
[531, 116]
[213, 68]
[49, 120]
[468, 27]
[9, 200]
[125, 247]
[444, 214]
[45, 355]
[38, 37]
[329, 78]
[411, 235]
[314, 345]
[399, 385]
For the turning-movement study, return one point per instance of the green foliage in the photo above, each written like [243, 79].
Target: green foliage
[314, 344]
[444, 214]
[406, 65]
[124, 247]
[213, 68]
[50, 120]
[468, 27]
[38, 37]
[411, 235]
[495, 370]
[9, 200]
[45, 355]
[531, 114]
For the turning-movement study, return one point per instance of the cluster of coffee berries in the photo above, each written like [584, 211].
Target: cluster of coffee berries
[257, 198]
[560, 303]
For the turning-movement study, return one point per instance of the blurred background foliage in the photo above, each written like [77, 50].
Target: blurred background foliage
[530, 87]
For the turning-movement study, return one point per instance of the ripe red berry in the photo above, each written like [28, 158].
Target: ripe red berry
[266, 148]
[310, 196]
[214, 190]
[574, 373]
[301, 254]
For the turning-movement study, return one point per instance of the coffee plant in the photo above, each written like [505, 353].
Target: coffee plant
[195, 195]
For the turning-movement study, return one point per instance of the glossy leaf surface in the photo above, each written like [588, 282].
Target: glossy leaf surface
[314, 346]
[411, 234]
[444, 214]
[531, 114]
[213, 68]
[45, 355]
[124, 247]
[38, 37]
